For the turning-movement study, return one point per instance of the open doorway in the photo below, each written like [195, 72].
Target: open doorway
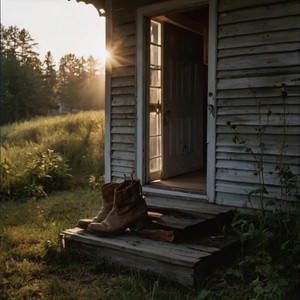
[177, 100]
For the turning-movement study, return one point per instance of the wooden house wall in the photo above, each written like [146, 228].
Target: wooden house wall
[257, 52]
[123, 87]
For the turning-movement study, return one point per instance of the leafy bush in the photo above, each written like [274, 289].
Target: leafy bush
[44, 172]
[28, 168]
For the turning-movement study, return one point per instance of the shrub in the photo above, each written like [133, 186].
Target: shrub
[29, 169]
[44, 172]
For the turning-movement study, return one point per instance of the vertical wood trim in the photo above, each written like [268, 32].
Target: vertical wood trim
[149, 11]
[108, 71]
[211, 118]
[140, 101]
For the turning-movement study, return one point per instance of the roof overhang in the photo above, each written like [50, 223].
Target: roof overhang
[98, 4]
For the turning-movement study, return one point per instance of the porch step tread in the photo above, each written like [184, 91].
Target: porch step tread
[186, 206]
[185, 221]
[183, 262]
[182, 254]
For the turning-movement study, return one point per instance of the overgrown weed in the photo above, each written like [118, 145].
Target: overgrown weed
[38, 156]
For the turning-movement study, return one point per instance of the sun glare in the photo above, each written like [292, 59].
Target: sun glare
[106, 54]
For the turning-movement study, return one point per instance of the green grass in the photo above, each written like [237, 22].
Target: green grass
[78, 138]
[32, 265]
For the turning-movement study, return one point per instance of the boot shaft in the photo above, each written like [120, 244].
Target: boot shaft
[127, 193]
[108, 191]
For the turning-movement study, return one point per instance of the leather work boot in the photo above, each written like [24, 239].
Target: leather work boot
[108, 190]
[129, 208]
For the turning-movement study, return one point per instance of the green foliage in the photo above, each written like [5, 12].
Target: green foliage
[270, 240]
[95, 183]
[44, 172]
[29, 168]
[30, 87]
[288, 181]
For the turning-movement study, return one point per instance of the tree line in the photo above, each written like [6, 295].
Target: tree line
[32, 87]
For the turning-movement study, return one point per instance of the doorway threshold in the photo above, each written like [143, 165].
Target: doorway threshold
[174, 193]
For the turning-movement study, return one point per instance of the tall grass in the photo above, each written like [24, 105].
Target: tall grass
[79, 138]
[32, 266]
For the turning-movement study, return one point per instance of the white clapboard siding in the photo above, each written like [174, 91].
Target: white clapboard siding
[263, 11]
[263, 101]
[123, 87]
[250, 27]
[283, 47]
[292, 91]
[258, 51]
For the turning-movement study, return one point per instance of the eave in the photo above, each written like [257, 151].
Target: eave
[98, 4]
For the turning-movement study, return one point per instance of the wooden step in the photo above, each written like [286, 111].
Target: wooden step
[185, 263]
[176, 221]
[183, 242]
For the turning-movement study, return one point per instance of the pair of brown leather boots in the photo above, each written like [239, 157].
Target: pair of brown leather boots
[123, 207]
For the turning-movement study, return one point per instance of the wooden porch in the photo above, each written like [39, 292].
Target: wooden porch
[183, 244]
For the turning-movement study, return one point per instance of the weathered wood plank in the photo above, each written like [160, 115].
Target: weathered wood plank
[273, 150]
[123, 122]
[187, 206]
[253, 110]
[123, 163]
[266, 71]
[183, 263]
[271, 101]
[174, 221]
[123, 90]
[124, 29]
[259, 26]
[280, 47]
[119, 52]
[290, 8]
[244, 188]
[242, 156]
[179, 254]
[269, 139]
[123, 138]
[180, 274]
[123, 147]
[123, 100]
[254, 120]
[255, 82]
[123, 71]
[264, 92]
[259, 39]
[227, 5]
[123, 81]
[259, 61]
[124, 40]
[122, 155]
[275, 130]
[123, 110]
[121, 130]
[242, 176]
[123, 116]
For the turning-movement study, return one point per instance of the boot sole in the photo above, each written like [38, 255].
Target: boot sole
[136, 224]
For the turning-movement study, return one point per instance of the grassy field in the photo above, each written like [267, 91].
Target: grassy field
[78, 139]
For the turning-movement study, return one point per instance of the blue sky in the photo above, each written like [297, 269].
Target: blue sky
[59, 26]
